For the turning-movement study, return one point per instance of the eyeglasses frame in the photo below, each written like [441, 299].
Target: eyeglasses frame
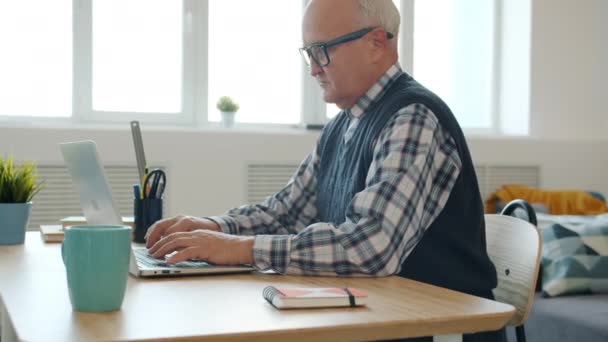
[308, 57]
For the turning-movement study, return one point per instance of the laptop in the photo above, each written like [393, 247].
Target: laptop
[88, 176]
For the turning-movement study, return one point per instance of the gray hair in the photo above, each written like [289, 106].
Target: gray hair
[382, 13]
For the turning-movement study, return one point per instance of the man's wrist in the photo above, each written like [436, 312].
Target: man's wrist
[215, 225]
[246, 257]
[226, 224]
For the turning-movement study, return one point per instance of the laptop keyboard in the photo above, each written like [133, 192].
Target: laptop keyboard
[145, 259]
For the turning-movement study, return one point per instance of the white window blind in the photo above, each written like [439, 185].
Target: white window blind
[59, 199]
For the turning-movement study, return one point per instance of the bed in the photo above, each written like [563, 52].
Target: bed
[572, 303]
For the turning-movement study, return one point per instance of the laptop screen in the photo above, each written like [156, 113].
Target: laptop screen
[89, 179]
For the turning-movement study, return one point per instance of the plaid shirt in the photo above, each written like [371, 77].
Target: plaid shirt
[413, 155]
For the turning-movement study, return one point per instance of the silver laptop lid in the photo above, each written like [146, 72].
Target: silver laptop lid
[89, 179]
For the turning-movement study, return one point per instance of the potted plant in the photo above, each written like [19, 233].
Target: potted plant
[228, 108]
[18, 185]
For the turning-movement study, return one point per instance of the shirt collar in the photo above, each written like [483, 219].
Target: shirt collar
[376, 91]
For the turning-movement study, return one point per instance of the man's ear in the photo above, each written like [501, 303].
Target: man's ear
[378, 44]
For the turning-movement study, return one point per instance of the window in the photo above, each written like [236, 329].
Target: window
[36, 58]
[453, 56]
[168, 61]
[137, 56]
[254, 62]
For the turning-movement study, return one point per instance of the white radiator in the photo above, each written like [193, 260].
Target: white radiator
[59, 199]
[264, 179]
[492, 177]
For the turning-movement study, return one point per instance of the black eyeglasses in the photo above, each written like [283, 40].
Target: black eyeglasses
[318, 51]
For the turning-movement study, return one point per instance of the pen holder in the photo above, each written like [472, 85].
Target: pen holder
[146, 212]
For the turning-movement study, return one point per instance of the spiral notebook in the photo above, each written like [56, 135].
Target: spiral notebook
[314, 297]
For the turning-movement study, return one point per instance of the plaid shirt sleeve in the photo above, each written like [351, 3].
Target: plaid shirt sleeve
[409, 181]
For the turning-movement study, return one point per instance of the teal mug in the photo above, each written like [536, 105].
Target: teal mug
[96, 262]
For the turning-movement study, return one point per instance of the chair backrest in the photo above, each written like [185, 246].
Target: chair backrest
[514, 247]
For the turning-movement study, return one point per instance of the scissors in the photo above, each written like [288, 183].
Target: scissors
[154, 184]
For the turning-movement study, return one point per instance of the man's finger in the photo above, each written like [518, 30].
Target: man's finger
[193, 252]
[179, 226]
[157, 230]
[163, 241]
[174, 243]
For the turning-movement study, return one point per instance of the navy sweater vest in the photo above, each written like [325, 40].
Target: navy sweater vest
[452, 252]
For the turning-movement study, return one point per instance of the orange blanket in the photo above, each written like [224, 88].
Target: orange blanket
[567, 202]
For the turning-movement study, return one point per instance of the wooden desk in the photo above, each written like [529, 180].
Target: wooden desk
[36, 307]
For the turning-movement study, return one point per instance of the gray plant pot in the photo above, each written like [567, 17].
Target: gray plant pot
[14, 218]
[228, 119]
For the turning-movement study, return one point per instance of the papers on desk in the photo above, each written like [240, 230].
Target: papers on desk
[51, 233]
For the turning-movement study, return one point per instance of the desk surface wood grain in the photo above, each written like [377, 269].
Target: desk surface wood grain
[34, 293]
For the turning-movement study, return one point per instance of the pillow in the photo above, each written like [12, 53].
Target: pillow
[575, 258]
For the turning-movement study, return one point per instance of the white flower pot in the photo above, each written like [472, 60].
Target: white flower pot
[228, 119]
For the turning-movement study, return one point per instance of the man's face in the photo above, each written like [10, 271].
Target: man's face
[341, 80]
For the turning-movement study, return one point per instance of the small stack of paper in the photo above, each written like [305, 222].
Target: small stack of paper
[51, 233]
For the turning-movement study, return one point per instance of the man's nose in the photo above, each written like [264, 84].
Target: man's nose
[315, 69]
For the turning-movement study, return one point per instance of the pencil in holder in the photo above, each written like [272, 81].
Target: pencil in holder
[146, 212]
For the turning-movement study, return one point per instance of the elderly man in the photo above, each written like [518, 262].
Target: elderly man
[389, 189]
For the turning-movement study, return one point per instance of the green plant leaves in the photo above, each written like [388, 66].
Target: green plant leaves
[18, 182]
[227, 104]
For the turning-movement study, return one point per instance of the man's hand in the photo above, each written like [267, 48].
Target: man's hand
[179, 223]
[206, 245]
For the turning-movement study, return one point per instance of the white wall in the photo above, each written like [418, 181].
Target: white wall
[569, 69]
